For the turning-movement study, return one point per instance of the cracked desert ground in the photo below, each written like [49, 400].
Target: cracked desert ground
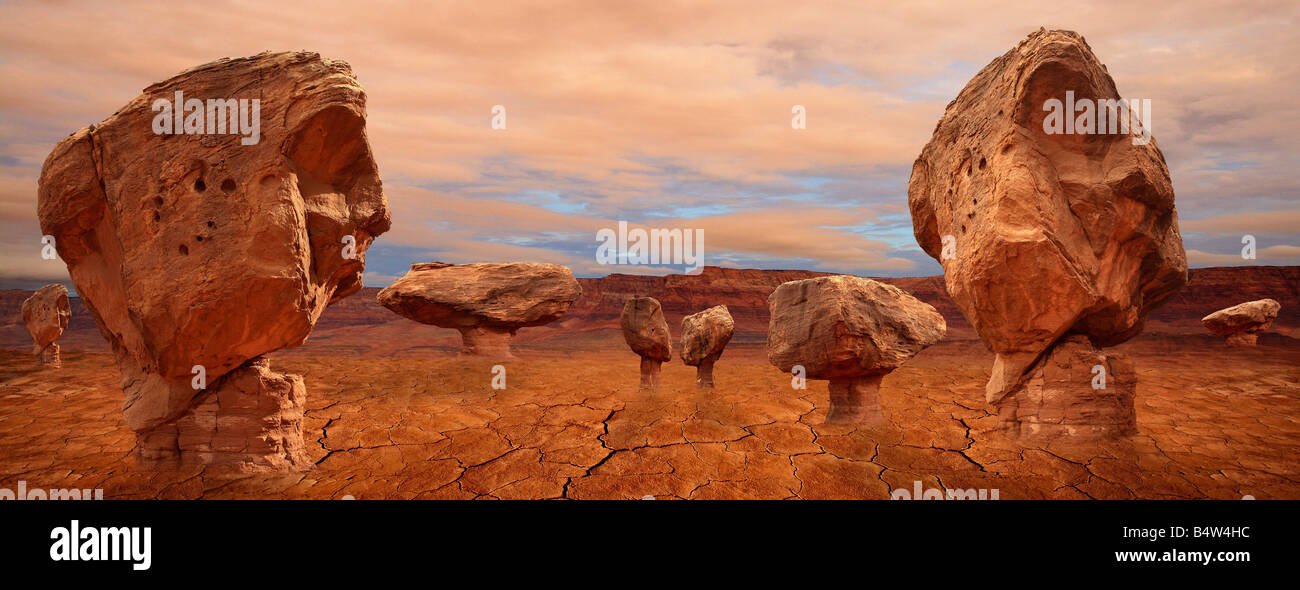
[1213, 423]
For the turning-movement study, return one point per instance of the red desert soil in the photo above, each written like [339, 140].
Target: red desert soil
[402, 418]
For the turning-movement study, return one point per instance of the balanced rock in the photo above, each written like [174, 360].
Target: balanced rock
[1046, 234]
[704, 335]
[46, 314]
[199, 250]
[646, 333]
[1242, 323]
[851, 331]
[486, 302]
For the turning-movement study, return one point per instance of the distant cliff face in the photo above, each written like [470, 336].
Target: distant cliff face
[359, 320]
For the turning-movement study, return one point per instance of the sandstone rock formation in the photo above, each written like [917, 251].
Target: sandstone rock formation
[704, 335]
[1242, 323]
[198, 252]
[646, 332]
[1043, 235]
[486, 302]
[851, 331]
[46, 314]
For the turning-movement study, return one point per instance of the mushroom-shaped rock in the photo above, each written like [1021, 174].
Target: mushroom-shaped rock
[1242, 323]
[487, 302]
[646, 333]
[46, 314]
[200, 248]
[704, 335]
[851, 331]
[1045, 229]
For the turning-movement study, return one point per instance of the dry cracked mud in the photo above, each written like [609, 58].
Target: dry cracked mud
[1213, 423]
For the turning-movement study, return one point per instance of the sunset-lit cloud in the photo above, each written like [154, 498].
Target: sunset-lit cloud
[675, 114]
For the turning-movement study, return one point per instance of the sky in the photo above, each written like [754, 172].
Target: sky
[676, 115]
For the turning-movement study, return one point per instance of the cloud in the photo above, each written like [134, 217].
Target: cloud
[1279, 254]
[673, 112]
[1255, 222]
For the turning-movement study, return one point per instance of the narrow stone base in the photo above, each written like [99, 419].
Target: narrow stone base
[650, 373]
[1243, 339]
[486, 341]
[250, 421]
[856, 401]
[704, 374]
[1064, 396]
[49, 357]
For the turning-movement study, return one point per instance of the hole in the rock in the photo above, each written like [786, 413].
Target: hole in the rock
[983, 162]
[157, 216]
[198, 238]
[228, 185]
[185, 250]
[157, 201]
[212, 223]
[200, 186]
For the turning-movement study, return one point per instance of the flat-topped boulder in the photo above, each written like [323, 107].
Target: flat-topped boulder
[704, 335]
[851, 331]
[487, 302]
[46, 314]
[1242, 323]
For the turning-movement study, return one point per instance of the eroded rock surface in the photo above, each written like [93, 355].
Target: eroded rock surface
[851, 331]
[704, 335]
[1043, 235]
[1077, 391]
[46, 314]
[1242, 323]
[486, 302]
[199, 252]
[646, 333]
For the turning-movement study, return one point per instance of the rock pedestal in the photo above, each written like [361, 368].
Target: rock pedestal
[1077, 391]
[487, 341]
[855, 401]
[49, 356]
[250, 419]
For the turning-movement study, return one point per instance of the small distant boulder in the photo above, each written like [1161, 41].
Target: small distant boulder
[704, 335]
[1242, 323]
[487, 302]
[46, 314]
[646, 333]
